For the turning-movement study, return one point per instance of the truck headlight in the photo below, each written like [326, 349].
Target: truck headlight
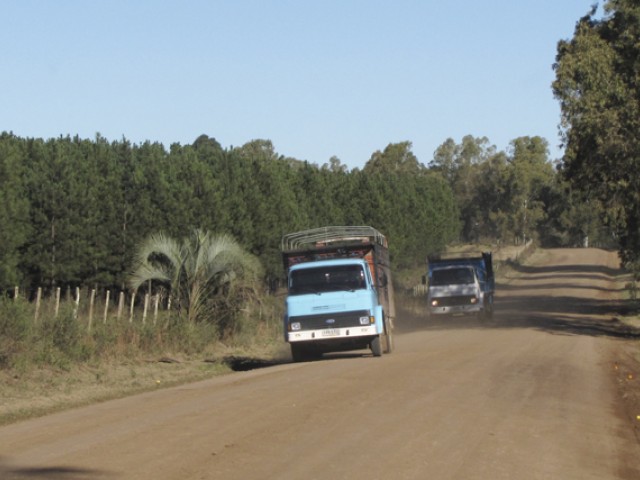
[366, 320]
[474, 300]
[434, 303]
[295, 326]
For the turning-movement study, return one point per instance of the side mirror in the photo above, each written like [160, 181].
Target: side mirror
[424, 279]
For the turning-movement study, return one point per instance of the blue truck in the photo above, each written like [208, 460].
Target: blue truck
[460, 284]
[339, 291]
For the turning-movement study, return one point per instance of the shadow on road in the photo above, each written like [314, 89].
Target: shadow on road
[244, 364]
[566, 299]
[557, 284]
[52, 473]
[562, 315]
[593, 271]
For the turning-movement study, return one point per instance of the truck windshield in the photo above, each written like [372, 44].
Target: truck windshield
[326, 279]
[452, 276]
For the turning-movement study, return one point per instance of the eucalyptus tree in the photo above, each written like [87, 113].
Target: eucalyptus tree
[205, 274]
[461, 165]
[571, 219]
[445, 160]
[258, 149]
[493, 200]
[598, 87]
[530, 173]
[395, 158]
[335, 165]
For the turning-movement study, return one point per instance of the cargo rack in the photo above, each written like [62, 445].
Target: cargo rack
[332, 236]
[445, 256]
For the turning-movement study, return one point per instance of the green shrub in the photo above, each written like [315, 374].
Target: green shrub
[63, 332]
[15, 318]
[189, 337]
[104, 340]
[16, 322]
[258, 324]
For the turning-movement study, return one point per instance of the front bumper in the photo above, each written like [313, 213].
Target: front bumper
[329, 334]
[456, 310]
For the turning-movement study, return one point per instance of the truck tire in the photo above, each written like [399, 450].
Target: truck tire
[488, 310]
[298, 353]
[388, 337]
[376, 347]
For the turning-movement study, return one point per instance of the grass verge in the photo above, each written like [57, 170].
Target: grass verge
[59, 363]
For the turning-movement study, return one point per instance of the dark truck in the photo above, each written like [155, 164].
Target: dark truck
[460, 284]
[340, 295]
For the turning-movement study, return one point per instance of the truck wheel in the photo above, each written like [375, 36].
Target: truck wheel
[488, 311]
[388, 337]
[376, 348]
[298, 353]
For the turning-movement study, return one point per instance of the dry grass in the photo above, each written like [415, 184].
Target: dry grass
[44, 391]
[129, 360]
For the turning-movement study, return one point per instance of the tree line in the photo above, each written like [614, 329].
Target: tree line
[73, 211]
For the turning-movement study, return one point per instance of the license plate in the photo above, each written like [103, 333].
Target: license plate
[330, 332]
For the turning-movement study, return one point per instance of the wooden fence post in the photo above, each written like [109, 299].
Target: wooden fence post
[57, 306]
[16, 293]
[146, 307]
[155, 308]
[133, 299]
[77, 301]
[106, 307]
[38, 298]
[92, 300]
[120, 305]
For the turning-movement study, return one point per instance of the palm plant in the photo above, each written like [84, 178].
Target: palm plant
[201, 271]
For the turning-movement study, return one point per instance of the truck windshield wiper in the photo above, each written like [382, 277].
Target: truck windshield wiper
[308, 289]
[344, 288]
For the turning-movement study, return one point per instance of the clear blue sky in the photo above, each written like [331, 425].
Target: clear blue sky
[317, 78]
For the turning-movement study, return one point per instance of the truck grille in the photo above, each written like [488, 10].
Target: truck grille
[330, 320]
[455, 301]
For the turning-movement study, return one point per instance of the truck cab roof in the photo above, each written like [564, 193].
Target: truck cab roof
[330, 262]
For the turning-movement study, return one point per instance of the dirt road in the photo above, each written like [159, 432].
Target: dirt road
[530, 395]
